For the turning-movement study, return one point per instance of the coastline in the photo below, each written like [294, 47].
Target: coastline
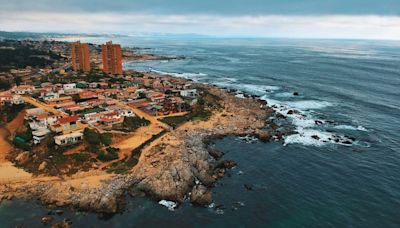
[174, 166]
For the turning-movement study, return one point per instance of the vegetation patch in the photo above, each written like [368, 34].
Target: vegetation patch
[9, 111]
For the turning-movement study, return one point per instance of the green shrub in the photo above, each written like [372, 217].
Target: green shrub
[106, 139]
[133, 123]
[91, 136]
[81, 157]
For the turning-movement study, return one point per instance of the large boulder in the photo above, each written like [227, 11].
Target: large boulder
[107, 204]
[264, 136]
[201, 196]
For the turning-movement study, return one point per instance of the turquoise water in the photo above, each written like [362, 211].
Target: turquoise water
[351, 88]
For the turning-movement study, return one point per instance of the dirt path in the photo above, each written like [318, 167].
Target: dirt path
[5, 147]
[44, 106]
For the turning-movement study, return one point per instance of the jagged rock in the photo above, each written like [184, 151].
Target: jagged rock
[264, 136]
[42, 166]
[47, 219]
[215, 153]
[107, 204]
[316, 137]
[248, 187]
[226, 164]
[201, 196]
[63, 224]
[22, 158]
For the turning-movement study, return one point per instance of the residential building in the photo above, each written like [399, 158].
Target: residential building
[65, 124]
[80, 56]
[68, 139]
[112, 58]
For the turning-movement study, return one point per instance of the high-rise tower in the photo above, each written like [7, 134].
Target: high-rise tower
[112, 58]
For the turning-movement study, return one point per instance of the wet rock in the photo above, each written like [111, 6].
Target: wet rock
[264, 136]
[107, 204]
[62, 224]
[248, 187]
[22, 158]
[316, 137]
[347, 142]
[318, 122]
[47, 219]
[201, 196]
[215, 153]
[296, 94]
[226, 164]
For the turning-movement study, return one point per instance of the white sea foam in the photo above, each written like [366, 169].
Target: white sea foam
[309, 104]
[169, 204]
[305, 123]
[309, 137]
[349, 127]
[182, 75]
[283, 95]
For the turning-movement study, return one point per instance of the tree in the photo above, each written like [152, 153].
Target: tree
[91, 136]
[17, 80]
[106, 139]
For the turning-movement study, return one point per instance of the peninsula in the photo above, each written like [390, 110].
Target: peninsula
[80, 136]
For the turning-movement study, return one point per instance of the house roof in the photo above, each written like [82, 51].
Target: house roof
[68, 119]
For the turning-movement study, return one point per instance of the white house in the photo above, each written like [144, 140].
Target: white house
[189, 93]
[40, 134]
[23, 89]
[68, 139]
[69, 86]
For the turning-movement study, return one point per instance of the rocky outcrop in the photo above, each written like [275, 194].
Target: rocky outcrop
[173, 166]
[201, 196]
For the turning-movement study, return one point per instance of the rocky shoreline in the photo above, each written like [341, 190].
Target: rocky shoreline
[179, 165]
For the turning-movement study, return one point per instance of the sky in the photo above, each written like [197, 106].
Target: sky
[350, 19]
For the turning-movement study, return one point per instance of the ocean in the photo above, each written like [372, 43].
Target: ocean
[346, 89]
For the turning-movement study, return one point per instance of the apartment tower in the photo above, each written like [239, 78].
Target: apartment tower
[80, 56]
[112, 58]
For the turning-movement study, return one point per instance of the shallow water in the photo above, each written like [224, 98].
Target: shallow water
[350, 87]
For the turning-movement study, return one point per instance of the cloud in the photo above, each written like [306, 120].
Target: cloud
[293, 26]
[211, 7]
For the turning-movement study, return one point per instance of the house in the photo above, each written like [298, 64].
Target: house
[23, 89]
[34, 111]
[41, 120]
[17, 100]
[87, 95]
[65, 124]
[5, 98]
[68, 139]
[93, 85]
[192, 93]
[69, 86]
[92, 118]
[157, 97]
[72, 108]
[110, 118]
[59, 100]
[51, 96]
[39, 135]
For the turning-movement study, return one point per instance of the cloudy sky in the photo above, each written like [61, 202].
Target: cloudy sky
[368, 19]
